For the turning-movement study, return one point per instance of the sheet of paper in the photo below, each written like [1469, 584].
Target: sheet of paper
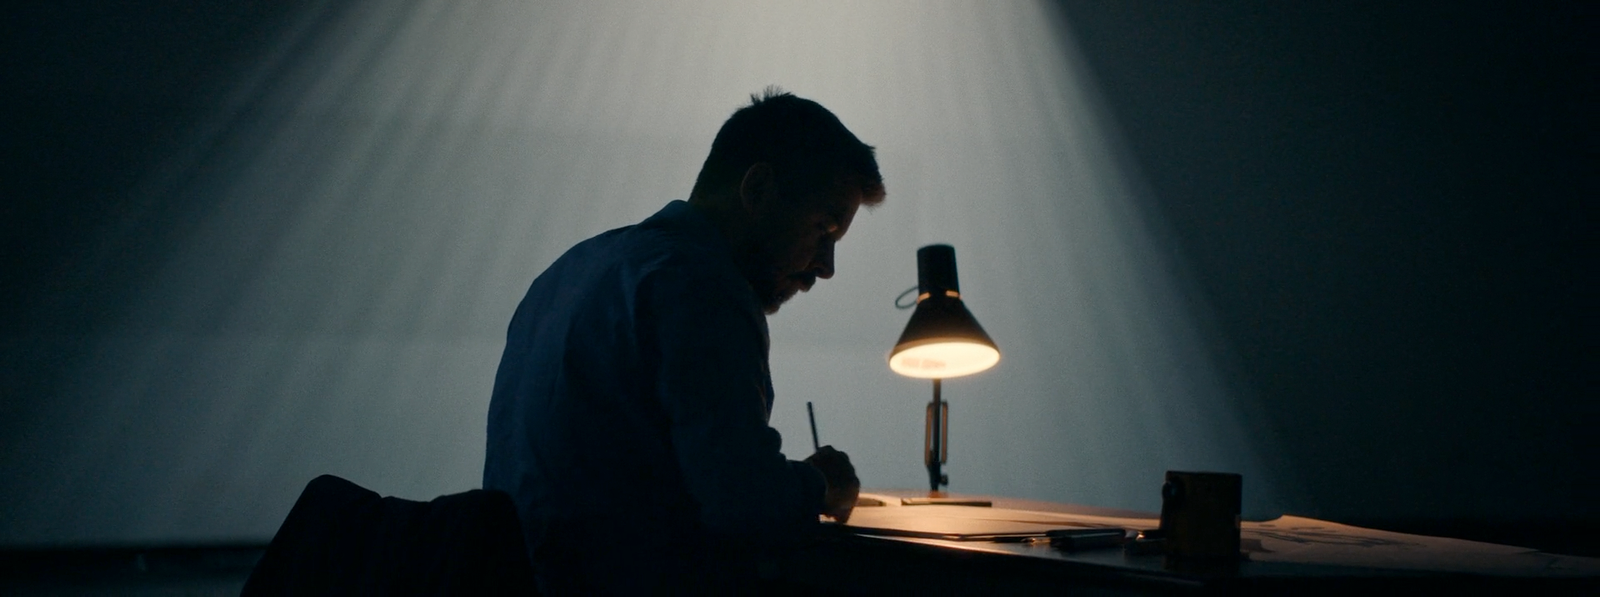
[905, 521]
[1307, 540]
[966, 521]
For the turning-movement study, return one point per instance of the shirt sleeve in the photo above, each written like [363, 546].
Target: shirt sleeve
[709, 342]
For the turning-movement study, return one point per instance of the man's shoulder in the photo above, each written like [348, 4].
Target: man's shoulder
[675, 239]
[654, 246]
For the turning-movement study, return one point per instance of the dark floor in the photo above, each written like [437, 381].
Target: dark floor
[133, 587]
[148, 571]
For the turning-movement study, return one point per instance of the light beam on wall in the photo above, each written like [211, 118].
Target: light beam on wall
[371, 204]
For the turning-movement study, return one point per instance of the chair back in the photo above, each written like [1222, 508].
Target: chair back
[343, 539]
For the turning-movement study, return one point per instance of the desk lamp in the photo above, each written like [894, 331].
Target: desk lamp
[941, 341]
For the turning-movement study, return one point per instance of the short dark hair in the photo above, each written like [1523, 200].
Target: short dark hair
[809, 149]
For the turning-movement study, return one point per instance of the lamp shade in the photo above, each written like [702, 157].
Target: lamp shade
[943, 339]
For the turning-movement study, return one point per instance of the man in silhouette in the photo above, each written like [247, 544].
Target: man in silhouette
[629, 416]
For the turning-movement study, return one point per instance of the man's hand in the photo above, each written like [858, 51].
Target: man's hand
[843, 486]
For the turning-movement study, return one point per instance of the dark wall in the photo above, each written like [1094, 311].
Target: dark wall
[1383, 205]
[94, 96]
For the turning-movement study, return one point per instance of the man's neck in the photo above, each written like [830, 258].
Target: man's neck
[726, 217]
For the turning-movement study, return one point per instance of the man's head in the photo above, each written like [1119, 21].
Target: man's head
[783, 181]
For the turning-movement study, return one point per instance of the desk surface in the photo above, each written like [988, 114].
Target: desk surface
[1289, 554]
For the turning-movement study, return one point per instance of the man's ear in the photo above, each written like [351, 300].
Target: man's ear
[759, 189]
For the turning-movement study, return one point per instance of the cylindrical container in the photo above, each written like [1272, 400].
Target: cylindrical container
[1200, 514]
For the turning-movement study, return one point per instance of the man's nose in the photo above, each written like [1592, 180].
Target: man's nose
[823, 266]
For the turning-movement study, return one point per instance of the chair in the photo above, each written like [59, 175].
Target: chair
[342, 539]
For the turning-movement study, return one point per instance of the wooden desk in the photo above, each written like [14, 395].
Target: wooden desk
[879, 565]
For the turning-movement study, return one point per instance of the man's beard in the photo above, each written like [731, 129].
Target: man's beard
[773, 289]
[772, 284]
[773, 293]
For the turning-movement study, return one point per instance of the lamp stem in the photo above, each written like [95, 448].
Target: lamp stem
[936, 441]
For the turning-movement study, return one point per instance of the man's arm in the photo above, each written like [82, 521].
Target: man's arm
[709, 342]
[843, 486]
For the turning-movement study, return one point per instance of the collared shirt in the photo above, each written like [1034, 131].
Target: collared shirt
[631, 405]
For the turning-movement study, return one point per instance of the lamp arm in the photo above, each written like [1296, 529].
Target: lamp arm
[936, 439]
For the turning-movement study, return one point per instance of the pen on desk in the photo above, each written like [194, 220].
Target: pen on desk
[815, 445]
